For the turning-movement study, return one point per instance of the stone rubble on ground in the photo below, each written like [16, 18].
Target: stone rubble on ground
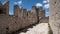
[41, 28]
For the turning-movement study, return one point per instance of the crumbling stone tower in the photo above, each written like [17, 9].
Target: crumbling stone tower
[41, 13]
[16, 10]
[25, 13]
[4, 9]
[34, 11]
[54, 18]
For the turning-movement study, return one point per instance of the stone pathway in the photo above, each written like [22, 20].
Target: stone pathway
[41, 28]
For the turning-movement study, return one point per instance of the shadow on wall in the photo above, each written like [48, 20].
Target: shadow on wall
[50, 30]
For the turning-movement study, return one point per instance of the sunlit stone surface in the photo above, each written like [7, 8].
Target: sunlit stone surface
[54, 18]
[41, 28]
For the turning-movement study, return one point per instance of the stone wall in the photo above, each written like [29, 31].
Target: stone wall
[54, 18]
[5, 23]
[21, 18]
[44, 20]
[5, 8]
[41, 13]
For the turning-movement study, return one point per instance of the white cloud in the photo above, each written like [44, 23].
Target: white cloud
[44, 1]
[15, 2]
[38, 4]
[19, 2]
[46, 6]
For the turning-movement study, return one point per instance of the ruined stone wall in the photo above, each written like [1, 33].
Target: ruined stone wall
[10, 24]
[34, 14]
[41, 13]
[54, 18]
[16, 10]
[30, 19]
[6, 7]
[44, 20]
[21, 18]
[42, 17]
[5, 23]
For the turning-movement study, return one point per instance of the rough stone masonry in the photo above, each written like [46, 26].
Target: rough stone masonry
[54, 18]
[21, 18]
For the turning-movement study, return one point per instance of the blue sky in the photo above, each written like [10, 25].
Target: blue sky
[28, 4]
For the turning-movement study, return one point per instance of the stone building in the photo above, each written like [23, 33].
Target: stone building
[54, 18]
[21, 18]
